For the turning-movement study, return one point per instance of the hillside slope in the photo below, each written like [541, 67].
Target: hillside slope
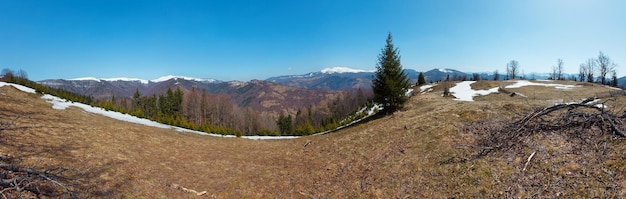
[421, 152]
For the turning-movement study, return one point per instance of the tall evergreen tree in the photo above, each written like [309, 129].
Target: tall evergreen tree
[390, 82]
[421, 80]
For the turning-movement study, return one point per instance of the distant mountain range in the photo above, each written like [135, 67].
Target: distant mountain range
[275, 94]
[340, 78]
[263, 96]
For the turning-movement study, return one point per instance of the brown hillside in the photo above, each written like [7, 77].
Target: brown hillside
[424, 151]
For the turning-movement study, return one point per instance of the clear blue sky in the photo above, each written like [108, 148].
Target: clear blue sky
[243, 40]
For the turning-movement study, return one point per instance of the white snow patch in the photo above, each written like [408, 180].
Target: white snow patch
[342, 70]
[57, 103]
[125, 79]
[613, 88]
[409, 92]
[426, 87]
[237, 83]
[463, 91]
[370, 112]
[257, 137]
[443, 70]
[19, 87]
[110, 79]
[168, 77]
[522, 83]
[376, 107]
[85, 79]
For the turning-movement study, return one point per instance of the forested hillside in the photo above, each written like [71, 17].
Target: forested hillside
[219, 113]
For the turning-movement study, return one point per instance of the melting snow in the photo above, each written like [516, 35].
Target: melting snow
[409, 92]
[19, 87]
[426, 87]
[522, 83]
[463, 91]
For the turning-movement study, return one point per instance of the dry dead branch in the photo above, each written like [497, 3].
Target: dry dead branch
[587, 114]
[16, 180]
[577, 114]
[177, 186]
[528, 160]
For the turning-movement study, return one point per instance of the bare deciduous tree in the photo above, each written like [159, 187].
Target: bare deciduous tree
[559, 70]
[605, 66]
[512, 69]
[582, 72]
[591, 67]
[22, 74]
[191, 106]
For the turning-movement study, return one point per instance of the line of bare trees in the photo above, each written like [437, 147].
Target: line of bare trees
[603, 65]
[217, 113]
[600, 69]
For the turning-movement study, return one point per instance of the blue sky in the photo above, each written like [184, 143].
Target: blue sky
[243, 40]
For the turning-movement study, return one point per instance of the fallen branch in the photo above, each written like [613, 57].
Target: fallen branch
[15, 180]
[177, 186]
[528, 160]
[577, 114]
[588, 114]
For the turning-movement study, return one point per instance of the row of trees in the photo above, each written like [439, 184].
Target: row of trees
[603, 65]
[217, 113]
[326, 116]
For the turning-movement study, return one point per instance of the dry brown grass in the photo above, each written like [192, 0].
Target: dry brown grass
[486, 85]
[397, 156]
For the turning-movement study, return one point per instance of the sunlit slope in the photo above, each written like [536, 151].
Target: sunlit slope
[412, 153]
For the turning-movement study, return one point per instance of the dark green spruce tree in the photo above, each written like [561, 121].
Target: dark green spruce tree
[421, 80]
[390, 83]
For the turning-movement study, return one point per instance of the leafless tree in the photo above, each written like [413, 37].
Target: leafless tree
[582, 74]
[496, 76]
[591, 67]
[512, 69]
[7, 74]
[191, 106]
[22, 74]
[605, 66]
[559, 69]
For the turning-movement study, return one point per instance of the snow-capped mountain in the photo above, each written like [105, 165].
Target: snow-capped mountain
[168, 77]
[124, 87]
[336, 78]
[343, 70]
[160, 79]
[262, 96]
[439, 74]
